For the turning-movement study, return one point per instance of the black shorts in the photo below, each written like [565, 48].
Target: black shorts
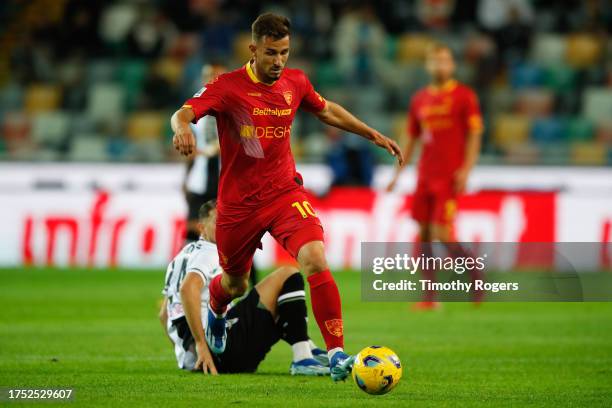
[195, 201]
[251, 334]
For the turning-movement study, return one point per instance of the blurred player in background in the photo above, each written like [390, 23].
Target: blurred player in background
[445, 117]
[260, 190]
[202, 175]
[275, 309]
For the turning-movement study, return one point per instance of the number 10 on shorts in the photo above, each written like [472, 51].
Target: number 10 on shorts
[304, 208]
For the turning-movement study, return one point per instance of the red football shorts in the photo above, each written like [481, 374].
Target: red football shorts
[289, 218]
[434, 202]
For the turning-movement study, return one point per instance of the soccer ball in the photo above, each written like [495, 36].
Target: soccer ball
[377, 370]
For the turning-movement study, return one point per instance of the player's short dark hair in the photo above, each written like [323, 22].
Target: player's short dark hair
[270, 25]
[206, 208]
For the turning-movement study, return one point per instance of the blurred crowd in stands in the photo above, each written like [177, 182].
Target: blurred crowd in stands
[96, 80]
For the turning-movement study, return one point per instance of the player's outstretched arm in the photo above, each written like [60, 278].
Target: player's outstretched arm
[191, 297]
[335, 115]
[183, 139]
[163, 318]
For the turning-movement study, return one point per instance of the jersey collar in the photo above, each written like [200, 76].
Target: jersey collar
[252, 76]
[447, 87]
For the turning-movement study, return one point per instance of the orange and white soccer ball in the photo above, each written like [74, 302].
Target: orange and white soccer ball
[377, 370]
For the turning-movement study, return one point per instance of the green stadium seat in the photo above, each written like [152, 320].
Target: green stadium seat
[326, 74]
[579, 129]
[51, 129]
[560, 78]
[131, 75]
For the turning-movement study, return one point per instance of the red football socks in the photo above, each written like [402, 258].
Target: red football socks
[219, 298]
[327, 308]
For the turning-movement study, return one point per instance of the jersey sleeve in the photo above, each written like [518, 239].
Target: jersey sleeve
[414, 127]
[311, 100]
[203, 264]
[472, 112]
[206, 101]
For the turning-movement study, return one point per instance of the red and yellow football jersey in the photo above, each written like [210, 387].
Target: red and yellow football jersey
[254, 125]
[442, 119]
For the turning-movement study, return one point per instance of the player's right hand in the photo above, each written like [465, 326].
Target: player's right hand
[184, 141]
[205, 361]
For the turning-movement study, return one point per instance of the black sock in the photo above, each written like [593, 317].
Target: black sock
[292, 310]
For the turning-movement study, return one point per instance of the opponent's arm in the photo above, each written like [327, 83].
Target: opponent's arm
[335, 115]
[163, 317]
[411, 144]
[472, 150]
[190, 291]
[183, 139]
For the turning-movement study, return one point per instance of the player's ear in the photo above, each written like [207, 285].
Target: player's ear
[252, 48]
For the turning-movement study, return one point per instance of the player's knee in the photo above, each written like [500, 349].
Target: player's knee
[314, 263]
[237, 287]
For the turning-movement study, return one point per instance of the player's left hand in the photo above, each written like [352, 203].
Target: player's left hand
[388, 144]
[205, 361]
[461, 177]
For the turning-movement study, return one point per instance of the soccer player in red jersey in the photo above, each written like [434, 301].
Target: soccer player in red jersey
[259, 188]
[445, 117]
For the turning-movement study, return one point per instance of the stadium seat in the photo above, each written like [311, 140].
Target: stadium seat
[88, 147]
[560, 78]
[367, 100]
[579, 129]
[326, 75]
[411, 48]
[105, 102]
[597, 103]
[170, 69]
[101, 70]
[547, 131]
[526, 76]
[588, 153]
[535, 102]
[583, 50]
[42, 98]
[51, 129]
[16, 127]
[509, 130]
[145, 126]
[548, 49]
[521, 154]
[11, 96]
[131, 75]
[554, 154]
[604, 131]
[501, 99]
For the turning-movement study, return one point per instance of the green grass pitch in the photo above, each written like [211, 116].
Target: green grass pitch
[97, 331]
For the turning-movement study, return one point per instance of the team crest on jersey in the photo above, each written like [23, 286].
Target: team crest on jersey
[334, 327]
[200, 92]
[288, 95]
